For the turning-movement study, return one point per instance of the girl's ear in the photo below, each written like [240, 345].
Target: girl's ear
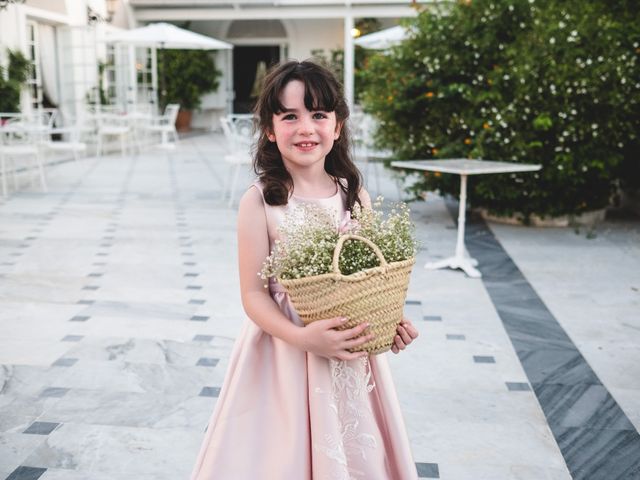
[338, 130]
[271, 136]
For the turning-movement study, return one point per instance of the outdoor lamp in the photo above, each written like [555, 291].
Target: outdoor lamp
[94, 17]
[5, 3]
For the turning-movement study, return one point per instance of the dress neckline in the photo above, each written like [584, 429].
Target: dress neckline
[318, 198]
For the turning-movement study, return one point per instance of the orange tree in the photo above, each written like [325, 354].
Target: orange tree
[530, 81]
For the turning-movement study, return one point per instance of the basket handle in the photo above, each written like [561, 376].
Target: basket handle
[366, 241]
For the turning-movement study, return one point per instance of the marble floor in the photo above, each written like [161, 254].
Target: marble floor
[119, 306]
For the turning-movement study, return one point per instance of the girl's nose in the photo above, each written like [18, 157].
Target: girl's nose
[306, 127]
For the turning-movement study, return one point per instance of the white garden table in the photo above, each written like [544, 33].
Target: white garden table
[464, 168]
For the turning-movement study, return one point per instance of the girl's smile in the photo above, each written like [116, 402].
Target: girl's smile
[306, 146]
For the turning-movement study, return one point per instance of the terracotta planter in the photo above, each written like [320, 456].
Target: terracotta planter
[183, 122]
[584, 219]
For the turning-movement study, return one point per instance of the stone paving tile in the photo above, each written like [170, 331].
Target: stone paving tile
[27, 473]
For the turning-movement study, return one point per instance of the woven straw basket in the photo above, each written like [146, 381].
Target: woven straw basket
[375, 295]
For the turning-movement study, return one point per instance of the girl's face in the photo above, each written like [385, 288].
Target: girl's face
[304, 138]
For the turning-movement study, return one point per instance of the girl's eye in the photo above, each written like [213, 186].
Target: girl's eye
[319, 115]
[289, 116]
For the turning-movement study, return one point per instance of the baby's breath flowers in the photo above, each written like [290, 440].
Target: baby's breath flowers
[309, 234]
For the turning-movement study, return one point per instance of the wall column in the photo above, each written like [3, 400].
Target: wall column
[348, 60]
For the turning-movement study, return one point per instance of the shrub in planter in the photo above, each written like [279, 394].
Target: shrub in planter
[530, 81]
[11, 83]
[188, 74]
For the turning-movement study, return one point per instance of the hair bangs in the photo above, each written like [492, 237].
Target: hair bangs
[273, 101]
[318, 96]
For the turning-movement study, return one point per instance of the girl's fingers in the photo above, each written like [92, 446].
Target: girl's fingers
[335, 322]
[356, 342]
[406, 338]
[394, 349]
[408, 326]
[353, 332]
[399, 343]
[412, 331]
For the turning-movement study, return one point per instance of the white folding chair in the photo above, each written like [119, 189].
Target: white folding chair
[165, 125]
[238, 150]
[19, 140]
[112, 125]
[71, 142]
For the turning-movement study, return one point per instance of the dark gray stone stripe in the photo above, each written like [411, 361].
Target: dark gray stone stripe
[597, 440]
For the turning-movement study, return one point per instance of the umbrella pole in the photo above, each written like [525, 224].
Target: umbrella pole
[163, 83]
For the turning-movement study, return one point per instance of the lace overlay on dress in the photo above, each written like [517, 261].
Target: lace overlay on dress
[351, 384]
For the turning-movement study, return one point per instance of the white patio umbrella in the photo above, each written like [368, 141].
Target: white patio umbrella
[164, 35]
[383, 39]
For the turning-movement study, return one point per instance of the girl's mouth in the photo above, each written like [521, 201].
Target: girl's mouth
[306, 145]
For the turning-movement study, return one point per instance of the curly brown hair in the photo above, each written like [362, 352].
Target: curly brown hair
[321, 92]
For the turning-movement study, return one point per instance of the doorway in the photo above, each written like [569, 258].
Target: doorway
[246, 64]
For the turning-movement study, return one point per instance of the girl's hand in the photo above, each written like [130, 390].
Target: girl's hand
[322, 338]
[407, 333]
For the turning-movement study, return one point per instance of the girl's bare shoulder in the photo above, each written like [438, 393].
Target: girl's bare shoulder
[365, 199]
[251, 203]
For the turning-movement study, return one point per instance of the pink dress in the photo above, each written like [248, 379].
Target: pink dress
[286, 414]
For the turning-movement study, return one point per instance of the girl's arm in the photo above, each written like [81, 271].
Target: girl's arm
[319, 337]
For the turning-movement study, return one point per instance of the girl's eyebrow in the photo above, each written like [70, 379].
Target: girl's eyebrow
[286, 110]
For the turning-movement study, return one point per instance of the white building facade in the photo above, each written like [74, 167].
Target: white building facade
[63, 39]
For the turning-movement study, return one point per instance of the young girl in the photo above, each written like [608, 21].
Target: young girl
[295, 403]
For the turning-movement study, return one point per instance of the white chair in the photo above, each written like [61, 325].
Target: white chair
[238, 150]
[19, 141]
[112, 125]
[49, 116]
[72, 141]
[165, 125]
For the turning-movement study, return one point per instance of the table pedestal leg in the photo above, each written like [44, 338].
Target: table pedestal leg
[459, 260]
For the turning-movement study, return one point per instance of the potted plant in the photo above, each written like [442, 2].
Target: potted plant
[186, 76]
[11, 85]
